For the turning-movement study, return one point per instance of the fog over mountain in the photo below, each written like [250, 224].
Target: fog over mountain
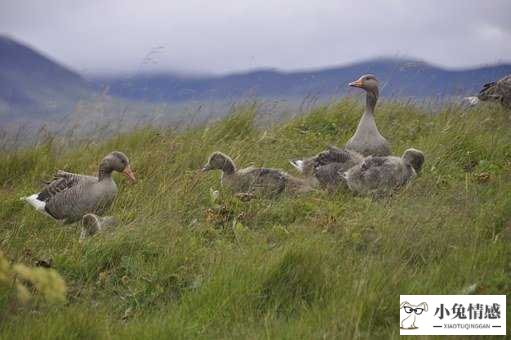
[31, 83]
[399, 78]
[34, 85]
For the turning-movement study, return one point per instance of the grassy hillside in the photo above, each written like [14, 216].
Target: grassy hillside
[324, 265]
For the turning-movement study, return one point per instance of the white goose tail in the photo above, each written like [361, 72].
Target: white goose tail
[37, 204]
[33, 201]
[298, 164]
[470, 101]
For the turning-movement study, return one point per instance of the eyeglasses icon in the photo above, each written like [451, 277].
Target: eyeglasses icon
[409, 310]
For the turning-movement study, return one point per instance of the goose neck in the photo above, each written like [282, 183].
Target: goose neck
[104, 172]
[371, 99]
[229, 168]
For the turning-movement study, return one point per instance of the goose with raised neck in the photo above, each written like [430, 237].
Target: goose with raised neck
[367, 139]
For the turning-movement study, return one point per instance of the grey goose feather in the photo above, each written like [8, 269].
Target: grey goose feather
[327, 166]
[366, 141]
[254, 181]
[378, 175]
[68, 196]
[93, 224]
[498, 91]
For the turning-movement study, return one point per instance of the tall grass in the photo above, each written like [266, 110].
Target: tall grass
[323, 265]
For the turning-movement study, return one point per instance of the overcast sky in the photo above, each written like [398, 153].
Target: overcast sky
[217, 36]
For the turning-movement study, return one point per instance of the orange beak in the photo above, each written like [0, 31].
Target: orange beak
[356, 83]
[128, 173]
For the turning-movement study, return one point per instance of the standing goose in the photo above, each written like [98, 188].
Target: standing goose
[380, 175]
[366, 141]
[254, 181]
[69, 196]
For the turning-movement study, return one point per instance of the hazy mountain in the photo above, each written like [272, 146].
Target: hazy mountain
[31, 84]
[400, 78]
[35, 88]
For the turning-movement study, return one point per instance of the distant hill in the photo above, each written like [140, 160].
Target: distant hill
[33, 84]
[36, 89]
[400, 78]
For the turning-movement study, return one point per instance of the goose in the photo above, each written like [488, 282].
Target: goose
[68, 196]
[379, 175]
[327, 166]
[366, 141]
[254, 181]
[93, 224]
[499, 91]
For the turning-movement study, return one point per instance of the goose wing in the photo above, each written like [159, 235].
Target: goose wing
[267, 180]
[332, 155]
[331, 174]
[63, 181]
[374, 173]
[372, 162]
[386, 172]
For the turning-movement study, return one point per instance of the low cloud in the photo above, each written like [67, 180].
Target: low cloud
[223, 36]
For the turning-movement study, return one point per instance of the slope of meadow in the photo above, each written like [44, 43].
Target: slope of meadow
[323, 265]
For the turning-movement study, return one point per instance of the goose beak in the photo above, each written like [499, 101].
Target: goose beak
[356, 83]
[205, 168]
[128, 173]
